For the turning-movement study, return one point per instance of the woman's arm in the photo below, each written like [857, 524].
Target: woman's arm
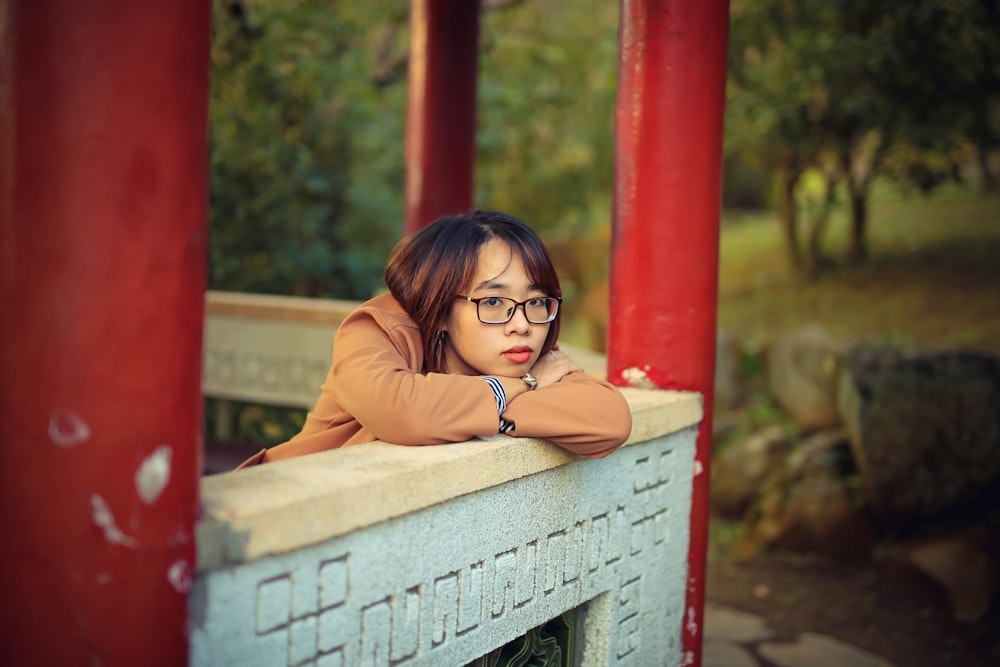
[373, 379]
[580, 413]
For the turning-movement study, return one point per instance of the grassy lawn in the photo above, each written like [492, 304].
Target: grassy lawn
[933, 278]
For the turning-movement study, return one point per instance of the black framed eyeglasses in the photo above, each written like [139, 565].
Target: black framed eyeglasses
[500, 309]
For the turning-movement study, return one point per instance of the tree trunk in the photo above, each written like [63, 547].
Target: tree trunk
[857, 189]
[814, 251]
[857, 251]
[790, 218]
[304, 286]
[987, 179]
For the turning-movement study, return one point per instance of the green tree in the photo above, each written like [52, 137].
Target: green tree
[954, 94]
[904, 73]
[842, 84]
[545, 137]
[772, 102]
[306, 161]
[307, 122]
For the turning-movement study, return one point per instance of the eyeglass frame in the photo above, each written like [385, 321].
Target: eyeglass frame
[522, 304]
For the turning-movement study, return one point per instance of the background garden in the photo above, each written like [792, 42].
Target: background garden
[855, 132]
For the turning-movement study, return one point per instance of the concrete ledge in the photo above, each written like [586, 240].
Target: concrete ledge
[273, 350]
[277, 308]
[288, 505]
[434, 556]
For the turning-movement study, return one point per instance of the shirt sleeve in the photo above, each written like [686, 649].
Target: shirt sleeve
[501, 397]
[580, 413]
[372, 380]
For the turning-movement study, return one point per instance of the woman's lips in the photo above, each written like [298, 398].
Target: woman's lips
[517, 355]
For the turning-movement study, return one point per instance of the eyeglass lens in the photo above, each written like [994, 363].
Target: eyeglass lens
[498, 310]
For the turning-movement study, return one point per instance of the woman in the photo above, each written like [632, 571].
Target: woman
[464, 345]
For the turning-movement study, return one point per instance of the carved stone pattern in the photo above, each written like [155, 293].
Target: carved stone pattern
[248, 372]
[310, 607]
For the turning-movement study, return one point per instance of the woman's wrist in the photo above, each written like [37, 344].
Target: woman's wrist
[503, 392]
[513, 386]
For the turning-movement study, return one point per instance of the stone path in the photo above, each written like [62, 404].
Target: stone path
[738, 639]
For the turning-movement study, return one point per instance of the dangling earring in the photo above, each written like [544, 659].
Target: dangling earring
[436, 362]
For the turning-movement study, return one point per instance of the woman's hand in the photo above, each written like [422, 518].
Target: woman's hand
[552, 367]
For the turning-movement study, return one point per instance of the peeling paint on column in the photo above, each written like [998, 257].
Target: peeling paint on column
[637, 377]
[66, 429]
[648, 377]
[179, 576]
[153, 474]
[692, 623]
[180, 537]
[105, 520]
[699, 467]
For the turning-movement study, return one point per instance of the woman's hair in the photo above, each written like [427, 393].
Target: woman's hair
[429, 268]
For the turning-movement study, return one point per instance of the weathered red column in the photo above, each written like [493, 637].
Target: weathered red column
[671, 98]
[103, 184]
[441, 115]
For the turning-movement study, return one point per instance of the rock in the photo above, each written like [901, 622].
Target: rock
[822, 514]
[826, 510]
[826, 451]
[739, 470]
[738, 627]
[815, 650]
[924, 429]
[961, 562]
[814, 504]
[766, 521]
[721, 654]
[803, 367]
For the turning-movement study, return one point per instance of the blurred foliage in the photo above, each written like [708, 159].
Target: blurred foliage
[306, 150]
[243, 422]
[545, 137]
[309, 105]
[307, 132]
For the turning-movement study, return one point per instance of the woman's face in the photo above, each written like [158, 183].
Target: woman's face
[510, 349]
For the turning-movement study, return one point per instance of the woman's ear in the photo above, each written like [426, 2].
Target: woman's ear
[442, 322]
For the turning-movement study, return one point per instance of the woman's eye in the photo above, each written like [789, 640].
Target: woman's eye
[537, 302]
[493, 301]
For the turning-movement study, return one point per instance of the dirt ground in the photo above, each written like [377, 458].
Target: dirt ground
[888, 610]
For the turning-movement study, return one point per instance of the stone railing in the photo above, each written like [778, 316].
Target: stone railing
[380, 554]
[273, 350]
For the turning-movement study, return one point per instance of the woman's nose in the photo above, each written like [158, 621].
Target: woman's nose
[518, 322]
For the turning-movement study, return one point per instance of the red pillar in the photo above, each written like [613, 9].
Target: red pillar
[671, 97]
[441, 116]
[103, 194]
